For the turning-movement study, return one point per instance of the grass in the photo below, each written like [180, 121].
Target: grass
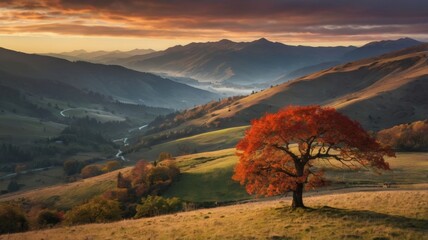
[49, 177]
[357, 215]
[18, 129]
[206, 177]
[65, 196]
[100, 115]
[204, 142]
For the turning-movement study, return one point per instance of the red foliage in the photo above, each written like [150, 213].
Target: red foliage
[277, 152]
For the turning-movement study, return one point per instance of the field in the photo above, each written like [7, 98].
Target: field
[399, 214]
[100, 115]
[46, 177]
[19, 129]
[204, 142]
[206, 177]
[65, 196]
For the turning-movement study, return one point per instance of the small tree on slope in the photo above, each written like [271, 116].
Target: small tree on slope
[278, 152]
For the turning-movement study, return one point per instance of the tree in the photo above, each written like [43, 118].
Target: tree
[278, 152]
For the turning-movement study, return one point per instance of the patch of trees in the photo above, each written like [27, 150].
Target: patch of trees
[406, 137]
[14, 154]
[135, 195]
[157, 205]
[103, 128]
[87, 169]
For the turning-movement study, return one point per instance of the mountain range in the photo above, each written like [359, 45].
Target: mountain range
[99, 56]
[379, 92]
[251, 63]
[117, 82]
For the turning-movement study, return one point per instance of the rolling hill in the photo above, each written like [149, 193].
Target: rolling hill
[118, 82]
[379, 92]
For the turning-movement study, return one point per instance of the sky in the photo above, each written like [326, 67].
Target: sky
[42, 26]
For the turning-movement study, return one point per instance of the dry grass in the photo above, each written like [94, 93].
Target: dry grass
[65, 196]
[359, 215]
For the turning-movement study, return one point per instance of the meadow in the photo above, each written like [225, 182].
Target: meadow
[389, 214]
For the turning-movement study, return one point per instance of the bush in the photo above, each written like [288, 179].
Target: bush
[72, 167]
[156, 205]
[111, 166]
[98, 210]
[91, 171]
[48, 218]
[119, 194]
[12, 219]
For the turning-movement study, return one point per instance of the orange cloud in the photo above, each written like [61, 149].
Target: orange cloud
[287, 20]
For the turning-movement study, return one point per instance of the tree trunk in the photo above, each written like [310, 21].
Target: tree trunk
[298, 197]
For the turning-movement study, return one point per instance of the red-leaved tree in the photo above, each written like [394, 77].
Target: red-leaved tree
[278, 152]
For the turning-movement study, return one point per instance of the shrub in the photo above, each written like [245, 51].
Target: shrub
[48, 218]
[98, 210]
[119, 194]
[156, 205]
[111, 166]
[91, 171]
[12, 219]
[72, 167]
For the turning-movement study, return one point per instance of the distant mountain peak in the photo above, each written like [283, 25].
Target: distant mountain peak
[262, 40]
[405, 40]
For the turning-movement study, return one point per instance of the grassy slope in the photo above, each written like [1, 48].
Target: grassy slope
[20, 128]
[358, 215]
[204, 142]
[207, 177]
[100, 115]
[65, 196]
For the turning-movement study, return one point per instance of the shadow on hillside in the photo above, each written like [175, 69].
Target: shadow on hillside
[373, 218]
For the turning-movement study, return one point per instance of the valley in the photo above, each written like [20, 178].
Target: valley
[152, 147]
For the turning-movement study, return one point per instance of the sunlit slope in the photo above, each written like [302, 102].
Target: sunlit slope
[204, 142]
[378, 92]
[359, 215]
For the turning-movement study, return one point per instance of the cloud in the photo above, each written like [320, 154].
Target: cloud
[284, 20]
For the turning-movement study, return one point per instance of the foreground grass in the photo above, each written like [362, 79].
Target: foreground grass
[359, 215]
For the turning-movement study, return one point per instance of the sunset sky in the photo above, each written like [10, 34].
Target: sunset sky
[64, 25]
